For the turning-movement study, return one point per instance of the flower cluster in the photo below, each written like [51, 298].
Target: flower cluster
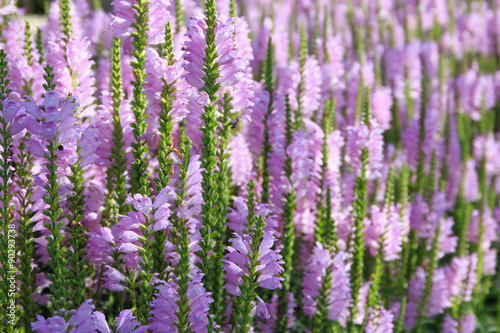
[250, 166]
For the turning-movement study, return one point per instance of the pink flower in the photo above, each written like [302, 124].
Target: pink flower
[269, 264]
[227, 57]
[369, 138]
[126, 323]
[471, 185]
[381, 103]
[240, 160]
[8, 8]
[310, 95]
[379, 321]
[10, 109]
[461, 276]
[490, 233]
[339, 292]
[384, 225]
[159, 73]
[466, 323]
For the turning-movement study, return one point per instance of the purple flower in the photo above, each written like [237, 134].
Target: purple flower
[466, 324]
[461, 276]
[381, 103]
[490, 233]
[310, 95]
[8, 8]
[236, 261]
[73, 72]
[439, 298]
[10, 109]
[238, 218]
[199, 300]
[126, 323]
[83, 320]
[339, 292]
[159, 73]
[123, 19]
[471, 185]
[379, 321]
[370, 138]
[128, 229]
[240, 160]
[384, 225]
[99, 248]
[165, 307]
[227, 57]
[104, 127]
[112, 279]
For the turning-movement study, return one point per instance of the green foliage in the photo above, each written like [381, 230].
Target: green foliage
[76, 235]
[359, 210]
[6, 211]
[288, 231]
[433, 258]
[266, 149]
[179, 16]
[25, 234]
[115, 174]
[65, 18]
[181, 240]
[321, 322]
[60, 287]
[165, 168]
[244, 302]
[210, 261]
[139, 182]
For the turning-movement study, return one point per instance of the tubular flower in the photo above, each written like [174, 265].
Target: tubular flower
[461, 276]
[465, 324]
[310, 96]
[490, 233]
[228, 59]
[128, 230]
[385, 226]
[85, 319]
[339, 291]
[159, 73]
[235, 263]
[370, 138]
[165, 307]
[123, 19]
[73, 72]
[379, 321]
[440, 296]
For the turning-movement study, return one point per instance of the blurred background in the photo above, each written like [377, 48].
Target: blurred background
[40, 7]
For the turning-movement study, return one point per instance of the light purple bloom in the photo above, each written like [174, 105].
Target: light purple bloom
[112, 279]
[491, 228]
[83, 320]
[269, 263]
[227, 57]
[159, 73]
[165, 306]
[369, 138]
[339, 292]
[311, 80]
[379, 321]
[461, 276]
[466, 324]
[384, 225]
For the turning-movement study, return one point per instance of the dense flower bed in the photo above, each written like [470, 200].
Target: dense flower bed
[250, 166]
